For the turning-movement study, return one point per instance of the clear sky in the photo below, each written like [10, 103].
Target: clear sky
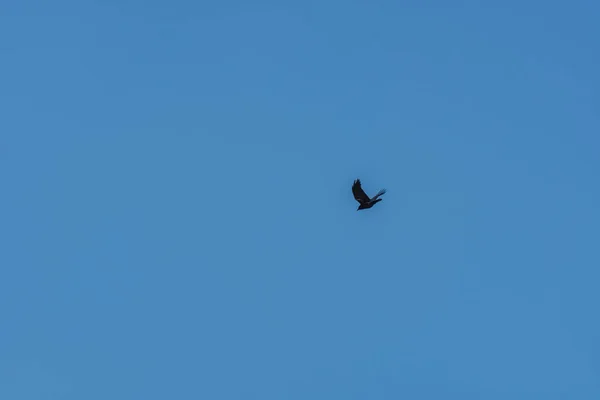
[177, 220]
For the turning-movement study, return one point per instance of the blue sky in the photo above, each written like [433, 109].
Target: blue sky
[177, 220]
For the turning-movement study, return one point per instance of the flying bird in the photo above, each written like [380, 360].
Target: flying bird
[362, 198]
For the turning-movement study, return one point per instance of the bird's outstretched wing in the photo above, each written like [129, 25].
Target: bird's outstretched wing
[380, 193]
[359, 193]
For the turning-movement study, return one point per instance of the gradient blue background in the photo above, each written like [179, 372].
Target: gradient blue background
[177, 220]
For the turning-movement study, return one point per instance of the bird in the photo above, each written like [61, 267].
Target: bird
[362, 198]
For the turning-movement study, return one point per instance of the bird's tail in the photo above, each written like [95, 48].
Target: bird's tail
[380, 193]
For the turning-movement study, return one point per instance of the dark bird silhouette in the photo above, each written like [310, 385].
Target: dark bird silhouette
[362, 198]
